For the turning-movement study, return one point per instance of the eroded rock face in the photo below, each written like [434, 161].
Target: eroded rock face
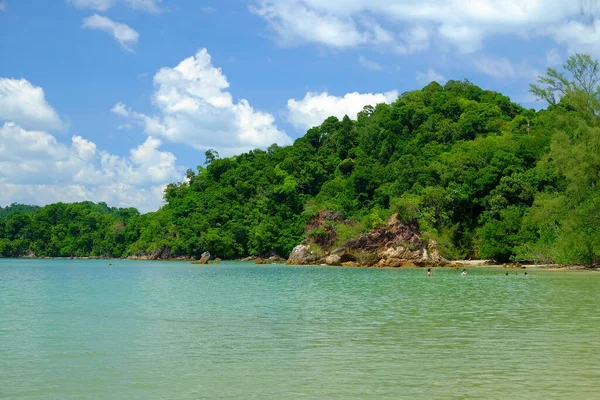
[321, 230]
[395, 245]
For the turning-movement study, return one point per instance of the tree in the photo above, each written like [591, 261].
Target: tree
[577, 85]
[210, 155]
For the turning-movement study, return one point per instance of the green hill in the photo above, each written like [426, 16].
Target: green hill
[483, 176]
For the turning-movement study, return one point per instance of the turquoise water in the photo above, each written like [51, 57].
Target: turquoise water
[72, 329]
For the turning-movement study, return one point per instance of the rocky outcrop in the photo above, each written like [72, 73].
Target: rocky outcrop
[320, 230]
[263, 260]
[161, 253]
[204, 258]
[396, 244]
[29, 254]
[302, 255]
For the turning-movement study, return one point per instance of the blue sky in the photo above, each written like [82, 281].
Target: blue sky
[109, 100]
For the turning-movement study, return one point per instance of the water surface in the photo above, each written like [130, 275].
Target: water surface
[72, 329]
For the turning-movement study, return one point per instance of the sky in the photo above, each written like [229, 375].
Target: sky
[111, 100]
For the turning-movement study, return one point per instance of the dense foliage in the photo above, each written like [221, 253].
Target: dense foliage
[483, 176]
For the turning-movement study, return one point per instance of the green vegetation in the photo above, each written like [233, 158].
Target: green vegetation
[483, 176]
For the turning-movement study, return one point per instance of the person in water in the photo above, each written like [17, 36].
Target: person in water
[507, 274]
[525, 273]
[429, 273]
[464, 272]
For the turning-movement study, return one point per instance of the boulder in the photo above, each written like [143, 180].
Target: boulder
[302, 255]
[333, 259]
[203, 258]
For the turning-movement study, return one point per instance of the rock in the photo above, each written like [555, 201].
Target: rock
[217, 260]
[276, 259]
[333, 259]
[160, 253]
[395, 245]
[203, 258]
[302, 255]
[321, 230]
[259, 260]
[251, 258]
[29, 254]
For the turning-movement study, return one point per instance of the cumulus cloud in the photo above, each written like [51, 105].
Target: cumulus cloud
[36, 168]
[412, 25]
[122, 33]
[26, 104]
[314, 108]
[430, 76]
[103, 5]
[195, 108]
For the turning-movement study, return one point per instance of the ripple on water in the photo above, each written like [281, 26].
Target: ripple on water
[75, 329]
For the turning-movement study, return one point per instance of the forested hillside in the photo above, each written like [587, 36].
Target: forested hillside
[483, 176]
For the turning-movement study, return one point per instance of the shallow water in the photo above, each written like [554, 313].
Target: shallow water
[73, 329]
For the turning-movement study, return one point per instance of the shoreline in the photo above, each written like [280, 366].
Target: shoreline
[451, 264]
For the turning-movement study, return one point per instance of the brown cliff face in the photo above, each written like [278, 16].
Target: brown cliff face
[395, 245]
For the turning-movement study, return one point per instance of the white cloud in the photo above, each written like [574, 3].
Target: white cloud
[579, 37]
[36, 168]
[553, 57]
[294, 23]
[504, 68]
[429, 76]
[2, 7]
[145, 5]
[369, 64]
[461, 24]
[97, 5]
[122, 33]
[26, 104]
[195, 108]
[103, 5]
[416, 39]
[314, 108]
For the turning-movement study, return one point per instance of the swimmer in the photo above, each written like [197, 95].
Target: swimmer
[507, 274]
[464, 272]
[429, 273]
[525, 273]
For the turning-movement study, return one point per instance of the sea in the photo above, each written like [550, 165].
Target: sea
[119, 329]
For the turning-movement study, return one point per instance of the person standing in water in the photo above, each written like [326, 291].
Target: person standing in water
[464, 272]
[429, 273]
